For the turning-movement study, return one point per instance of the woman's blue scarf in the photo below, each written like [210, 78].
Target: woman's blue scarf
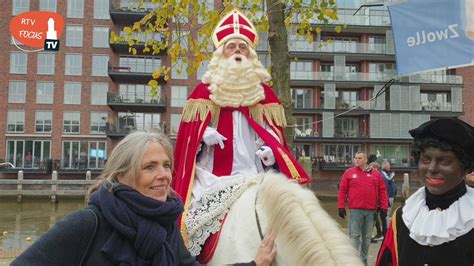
[145, 229]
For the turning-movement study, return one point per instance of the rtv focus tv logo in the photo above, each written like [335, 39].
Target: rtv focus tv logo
[37, 29]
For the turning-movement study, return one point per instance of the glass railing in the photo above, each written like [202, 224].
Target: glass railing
[144, 38]
[344, 47]
[136, 98]
[132, 5]
[123, 128]
[346, 16]
[307, 132]
[433, 78]
[135, 67]
[376, 77]
[369, 105]
[436, 106]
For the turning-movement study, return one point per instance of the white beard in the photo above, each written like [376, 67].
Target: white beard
[234, 84]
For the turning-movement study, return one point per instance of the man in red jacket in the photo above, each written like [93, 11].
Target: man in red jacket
[364, 190]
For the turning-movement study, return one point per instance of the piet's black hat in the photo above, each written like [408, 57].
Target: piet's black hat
[451, 130]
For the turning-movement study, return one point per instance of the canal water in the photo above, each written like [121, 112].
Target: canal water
[22, 224]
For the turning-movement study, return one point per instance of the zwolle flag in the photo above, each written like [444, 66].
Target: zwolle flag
[432, 34]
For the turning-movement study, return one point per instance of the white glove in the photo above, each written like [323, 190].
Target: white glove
[212, 137]
[266, 155]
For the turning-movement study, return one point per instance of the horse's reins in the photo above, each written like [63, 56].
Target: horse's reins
[259, 227]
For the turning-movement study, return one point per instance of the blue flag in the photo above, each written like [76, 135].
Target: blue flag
[432, 34]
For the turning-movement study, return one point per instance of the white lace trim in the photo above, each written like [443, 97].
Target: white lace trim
[205, 216]
[435, 227]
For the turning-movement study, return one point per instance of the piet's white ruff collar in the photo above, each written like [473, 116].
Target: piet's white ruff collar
[435, 227]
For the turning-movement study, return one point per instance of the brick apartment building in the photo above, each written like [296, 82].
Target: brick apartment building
[65, 110]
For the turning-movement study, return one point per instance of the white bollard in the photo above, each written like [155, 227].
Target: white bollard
[88, 175]
[54, 187]
[19, 187]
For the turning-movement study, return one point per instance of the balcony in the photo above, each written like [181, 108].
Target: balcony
[127, 12]
[436, 106]
[27, 166]
[433, 78]
[120, 129]
[372, 77]
[304, 49]
[375, 16]
[79, 166]
[122, 47]
[308, 132]
[125, 74]
[133, 102]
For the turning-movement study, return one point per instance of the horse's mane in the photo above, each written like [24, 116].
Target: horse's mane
[305, 232]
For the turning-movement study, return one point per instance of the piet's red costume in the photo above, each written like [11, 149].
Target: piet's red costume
[198, 113]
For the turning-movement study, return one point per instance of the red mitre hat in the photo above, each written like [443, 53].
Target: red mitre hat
[235, 25]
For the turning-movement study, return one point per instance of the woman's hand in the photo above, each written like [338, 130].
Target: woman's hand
[267, 250]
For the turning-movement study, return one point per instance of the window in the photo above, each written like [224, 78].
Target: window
[346, 99]
[178, 95]
[265, 59]
[74, 35]
[202, 69]
[46, 63]
[72, 93]
[301, 70]
[136, 93]
[140, 64]
[99, 93]
[98, 122]
[97, 154]
[74, 154]
[100, 38]
[333, 153]
[20, 6]
[147, 121]
[396, 155]
[71, 122]
[43, 121]
[376, 44]
[73, 64]
[28, 153]
[75, 8]
[18, 62]
[303, 98]
[47, 5]
[178, 70]
[17, 91]
[304, 126]
[99, 65]
[101, 9]
[436, 101]
[304, 150]
[16, 121]
[175, 120]
[44, 92]
[346, 127]
[207, 5]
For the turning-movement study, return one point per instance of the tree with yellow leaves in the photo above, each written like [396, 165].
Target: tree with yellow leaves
[186, 27]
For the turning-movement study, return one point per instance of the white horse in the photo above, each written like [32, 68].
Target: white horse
[306, 234]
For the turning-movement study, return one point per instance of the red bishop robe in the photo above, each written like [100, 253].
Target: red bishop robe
[198, 113]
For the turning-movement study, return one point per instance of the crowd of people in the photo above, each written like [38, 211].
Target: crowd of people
[153, 206]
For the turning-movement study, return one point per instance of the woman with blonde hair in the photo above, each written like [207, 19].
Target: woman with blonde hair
[131, 218]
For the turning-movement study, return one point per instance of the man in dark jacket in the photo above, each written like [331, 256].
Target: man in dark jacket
[363, 189]
[389, 178]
